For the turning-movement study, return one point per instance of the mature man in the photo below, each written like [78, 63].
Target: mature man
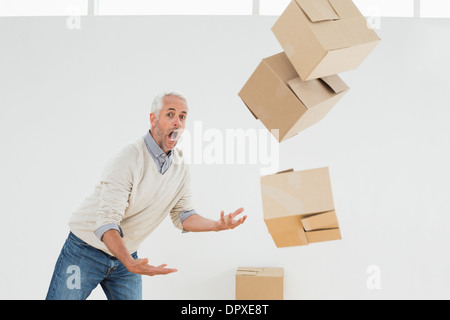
[138, 188]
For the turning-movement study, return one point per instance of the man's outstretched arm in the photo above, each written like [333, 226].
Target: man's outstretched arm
[197, 223]
[115, 244]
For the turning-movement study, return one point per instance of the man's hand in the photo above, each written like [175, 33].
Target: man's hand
[228, 222]
[141, 266]
[197, 223]
[114, 243]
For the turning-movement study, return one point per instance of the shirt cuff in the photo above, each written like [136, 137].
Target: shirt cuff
[186, 214]
[110, 226]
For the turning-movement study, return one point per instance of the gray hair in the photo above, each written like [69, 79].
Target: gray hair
[158, 103]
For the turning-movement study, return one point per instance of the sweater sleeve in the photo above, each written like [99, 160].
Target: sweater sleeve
[116, 183]
[184, 207]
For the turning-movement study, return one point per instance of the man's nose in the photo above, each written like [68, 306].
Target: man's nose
[177, 122]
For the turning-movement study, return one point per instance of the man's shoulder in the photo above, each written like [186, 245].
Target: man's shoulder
[130, 151]
[135, 147]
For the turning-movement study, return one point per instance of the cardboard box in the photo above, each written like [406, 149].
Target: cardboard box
[298, 207]
[259, 283]
[324, 37]
[281, 100]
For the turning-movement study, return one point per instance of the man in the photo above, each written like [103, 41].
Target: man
[138, 188]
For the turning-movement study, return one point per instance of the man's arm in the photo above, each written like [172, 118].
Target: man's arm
[197, 223]
[115, 244]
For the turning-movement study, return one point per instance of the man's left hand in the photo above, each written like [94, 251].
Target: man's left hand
[228, 222]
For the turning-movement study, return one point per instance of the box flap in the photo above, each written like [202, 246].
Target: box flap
[273, 272]
[282, 224]
[306, 91]
[323, 235]
[311, 92]
[258, 271]
[325, 220]
[315, 91]
[345, 8]
[247, 272]
[318, 10]
[335, 83]
[289, 238]
[285, 171]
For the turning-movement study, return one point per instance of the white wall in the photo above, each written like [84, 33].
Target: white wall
[70, 98]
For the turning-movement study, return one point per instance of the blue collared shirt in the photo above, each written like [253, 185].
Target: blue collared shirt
[163, 161]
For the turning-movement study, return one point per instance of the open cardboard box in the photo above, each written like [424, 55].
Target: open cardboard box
[324, 37]
[298, 207]
[282, 101]
[259, 283]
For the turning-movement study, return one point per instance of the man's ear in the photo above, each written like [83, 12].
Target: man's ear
[153, 120]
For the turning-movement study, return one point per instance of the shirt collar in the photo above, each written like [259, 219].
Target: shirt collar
[153, 148]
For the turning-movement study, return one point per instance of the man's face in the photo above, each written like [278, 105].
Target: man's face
[167, 129]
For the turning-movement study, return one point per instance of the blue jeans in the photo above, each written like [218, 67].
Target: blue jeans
[81, 267]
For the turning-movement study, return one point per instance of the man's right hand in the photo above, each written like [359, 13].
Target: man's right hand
[141, 266]
[114, 243]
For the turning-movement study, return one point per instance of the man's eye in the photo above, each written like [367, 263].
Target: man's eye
[170, 114]
[183, 117]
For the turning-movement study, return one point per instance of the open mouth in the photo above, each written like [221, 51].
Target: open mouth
[173, 135]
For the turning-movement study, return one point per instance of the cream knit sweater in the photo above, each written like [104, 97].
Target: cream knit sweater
[133, 194]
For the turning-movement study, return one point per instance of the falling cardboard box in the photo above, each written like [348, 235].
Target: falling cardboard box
[298, 207]
[324, 37]
[283, 102]
[259, 283]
